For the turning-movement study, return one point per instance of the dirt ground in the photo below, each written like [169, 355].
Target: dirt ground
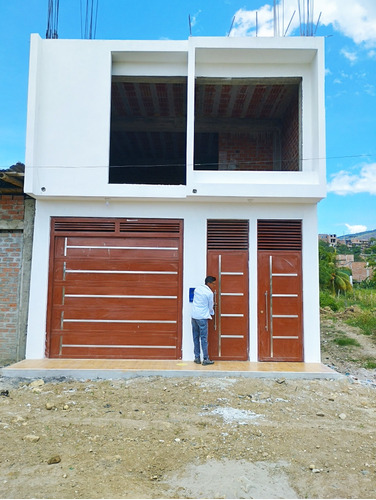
[194, 437]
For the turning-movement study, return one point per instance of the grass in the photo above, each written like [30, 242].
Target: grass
[366, 321]
[346, 341]
[328, 300]
[365, 300]
[370, 364]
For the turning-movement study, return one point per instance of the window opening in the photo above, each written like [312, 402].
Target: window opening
[247, 124]
[148, 130]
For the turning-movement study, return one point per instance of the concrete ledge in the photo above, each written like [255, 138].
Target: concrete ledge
[126, 369]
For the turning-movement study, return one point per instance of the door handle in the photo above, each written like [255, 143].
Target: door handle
[266, 312]
[215, 312]
[219, 305]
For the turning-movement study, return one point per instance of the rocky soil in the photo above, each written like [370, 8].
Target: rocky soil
[194, 437]
[349, 360]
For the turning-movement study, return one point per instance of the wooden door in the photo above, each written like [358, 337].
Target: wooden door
[280, 305]
[115, 289]
[228, 331]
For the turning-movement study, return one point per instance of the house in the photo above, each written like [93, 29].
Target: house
[360, 270]
[156, 163]
[16, 231]
[331, 239]
[345, 260]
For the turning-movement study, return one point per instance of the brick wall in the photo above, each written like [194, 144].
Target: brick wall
[360, 271]
[290, 138]
[238, 151]
[344, 260]
[263, 150]
[11, 209]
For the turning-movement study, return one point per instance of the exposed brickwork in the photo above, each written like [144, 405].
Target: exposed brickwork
[259, 150]
[11, 208]
[245, 151]
[344, 260]
[360, 271]
[290, 138]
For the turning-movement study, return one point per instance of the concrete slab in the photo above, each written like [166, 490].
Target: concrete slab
[125, 369]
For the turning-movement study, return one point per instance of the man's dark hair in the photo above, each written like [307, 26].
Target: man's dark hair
[210, 279]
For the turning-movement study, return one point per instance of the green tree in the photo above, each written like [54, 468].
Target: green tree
[331, 277]
[340, 281]
[371, 259]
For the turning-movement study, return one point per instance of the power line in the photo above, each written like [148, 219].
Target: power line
[198, 164]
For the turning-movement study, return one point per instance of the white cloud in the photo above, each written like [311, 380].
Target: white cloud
[194, 18]
[351, 56]
[356, 229]
[369, 89]
[345, 182]
[246, 22]
[355, 19]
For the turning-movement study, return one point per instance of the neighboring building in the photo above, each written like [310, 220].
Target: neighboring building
[345, 260]
[360, 242]
[360, 271]
[329, 238]
[363, 243]
[16, 230]
[346, 241]
[155, 163]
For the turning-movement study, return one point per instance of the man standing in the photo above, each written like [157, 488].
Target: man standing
[202, 311]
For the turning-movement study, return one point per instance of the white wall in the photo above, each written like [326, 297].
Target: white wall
[67, 156]
[194, 263]
[68, 131]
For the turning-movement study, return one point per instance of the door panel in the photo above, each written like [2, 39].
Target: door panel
[280, 336]
[115, 295]
[228, 331]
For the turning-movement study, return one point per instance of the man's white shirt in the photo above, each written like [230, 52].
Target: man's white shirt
[202, 303]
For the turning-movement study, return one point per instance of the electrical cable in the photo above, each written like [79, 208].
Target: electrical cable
[373, 155]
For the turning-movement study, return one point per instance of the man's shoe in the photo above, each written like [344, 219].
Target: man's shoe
[208, 362]
[198, 361]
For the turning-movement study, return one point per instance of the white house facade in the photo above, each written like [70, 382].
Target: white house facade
[156, 163]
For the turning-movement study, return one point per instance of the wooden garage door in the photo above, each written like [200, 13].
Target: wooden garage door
[115, 289]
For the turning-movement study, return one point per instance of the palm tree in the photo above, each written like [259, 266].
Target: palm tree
[332, 277]
[340, 281]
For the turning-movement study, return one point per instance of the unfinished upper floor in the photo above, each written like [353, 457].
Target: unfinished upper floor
[208, 118]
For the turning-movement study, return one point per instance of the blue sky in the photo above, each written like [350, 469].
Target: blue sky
[349, 27]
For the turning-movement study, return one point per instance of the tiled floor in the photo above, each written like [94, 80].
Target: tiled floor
[114, 368]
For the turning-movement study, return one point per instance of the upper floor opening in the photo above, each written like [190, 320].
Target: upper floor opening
[148, 130]
[241, 124]
[247, 124]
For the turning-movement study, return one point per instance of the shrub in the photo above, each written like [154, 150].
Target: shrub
[344, 341]
[327, 300]
[370, 364]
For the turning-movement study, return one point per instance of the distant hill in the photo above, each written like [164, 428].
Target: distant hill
[365, 235]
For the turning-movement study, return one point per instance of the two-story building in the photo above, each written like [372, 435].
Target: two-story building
[156, 163]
